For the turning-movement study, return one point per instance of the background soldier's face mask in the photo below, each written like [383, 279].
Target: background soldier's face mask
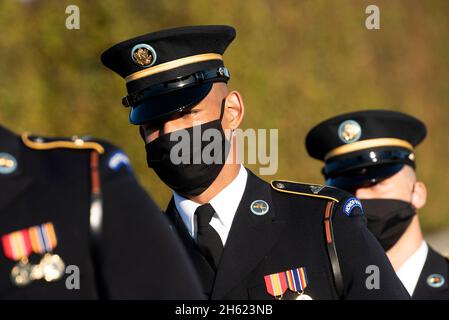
[195, 176]
[388, 219]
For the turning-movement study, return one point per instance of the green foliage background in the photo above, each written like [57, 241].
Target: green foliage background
[295, 63]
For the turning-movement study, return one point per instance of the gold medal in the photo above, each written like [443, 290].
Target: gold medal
[21, 273]
[52, 267]
[36, 272]
[41, 239]
[302, 296]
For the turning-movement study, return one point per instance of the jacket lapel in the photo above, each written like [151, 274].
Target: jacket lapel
[434, 265]
[250, 238]
[177, 223]
[204, 270]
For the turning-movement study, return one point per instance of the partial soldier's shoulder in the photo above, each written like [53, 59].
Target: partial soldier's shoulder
[343, 199]
[111, 156]
[309, 190]
[114, 158]
[38, 142]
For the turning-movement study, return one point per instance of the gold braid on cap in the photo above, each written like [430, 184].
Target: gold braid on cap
[367, 144]
[173, 65]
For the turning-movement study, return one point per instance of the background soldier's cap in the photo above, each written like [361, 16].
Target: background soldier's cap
[362, 148]
[171, 70]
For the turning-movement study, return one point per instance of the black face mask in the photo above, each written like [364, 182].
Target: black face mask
[388, 219]
[193, 175]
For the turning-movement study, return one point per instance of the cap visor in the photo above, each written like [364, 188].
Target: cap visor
[165, 105]
[364, 177]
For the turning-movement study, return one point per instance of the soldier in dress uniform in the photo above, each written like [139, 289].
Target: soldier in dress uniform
[75, 224]
[371, 154]
[247, 238]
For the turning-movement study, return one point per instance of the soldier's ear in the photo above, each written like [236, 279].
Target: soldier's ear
[234, 110]
[419, 195]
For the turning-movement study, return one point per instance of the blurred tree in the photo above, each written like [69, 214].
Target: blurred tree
[295, 62]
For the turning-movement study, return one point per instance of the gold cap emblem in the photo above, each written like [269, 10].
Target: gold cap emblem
[349, 131]
[143, 55]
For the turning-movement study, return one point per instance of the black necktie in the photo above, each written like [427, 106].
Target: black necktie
[208, 240]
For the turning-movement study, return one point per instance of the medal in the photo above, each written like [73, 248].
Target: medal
[41, 240]
[36, 272]
[302, 296]
[17, 247]
[295, 280]
[276, 284]
[21, 273]
[52, 267]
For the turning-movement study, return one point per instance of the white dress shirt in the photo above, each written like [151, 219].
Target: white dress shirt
[225, 204]
[410, 271]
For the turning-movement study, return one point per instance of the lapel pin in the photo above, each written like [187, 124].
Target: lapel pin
[8, 164]
[259, 207]
[435, 280]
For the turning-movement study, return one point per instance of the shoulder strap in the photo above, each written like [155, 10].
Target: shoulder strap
[41, 143]
[331, 249]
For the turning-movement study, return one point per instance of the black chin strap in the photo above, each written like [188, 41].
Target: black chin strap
[223, 103]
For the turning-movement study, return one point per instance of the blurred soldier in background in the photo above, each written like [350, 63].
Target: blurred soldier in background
[371, 154]
[75, 224]
[247, 238]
